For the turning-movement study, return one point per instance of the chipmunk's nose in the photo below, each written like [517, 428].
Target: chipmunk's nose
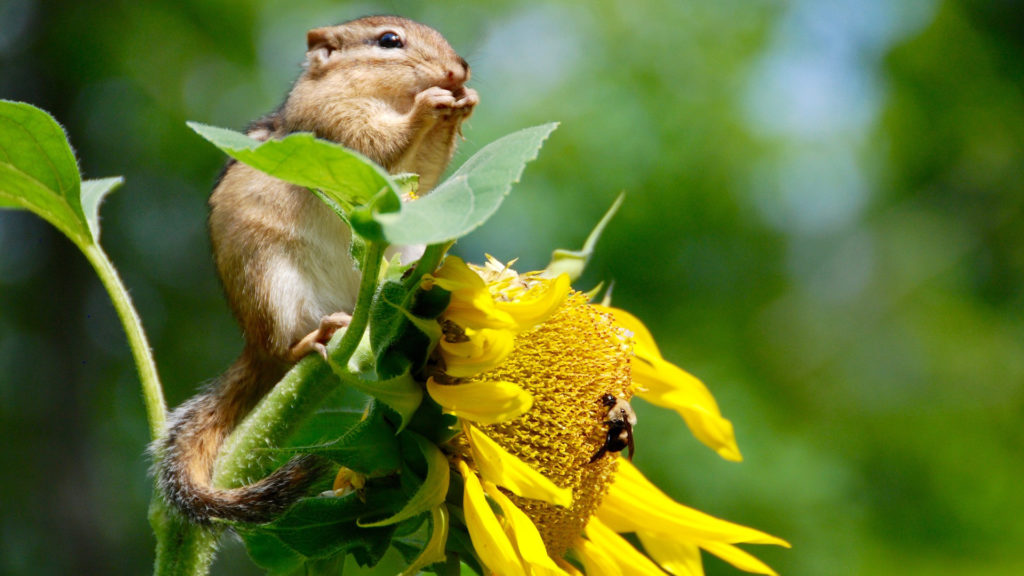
[456, 76]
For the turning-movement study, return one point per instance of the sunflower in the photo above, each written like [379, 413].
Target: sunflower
[527, 364]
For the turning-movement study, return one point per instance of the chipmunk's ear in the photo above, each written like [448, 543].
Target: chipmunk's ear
[321, 42]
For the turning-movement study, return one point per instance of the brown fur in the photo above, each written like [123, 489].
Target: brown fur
[283, 256]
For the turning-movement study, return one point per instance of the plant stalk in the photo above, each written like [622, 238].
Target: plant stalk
[152, 391]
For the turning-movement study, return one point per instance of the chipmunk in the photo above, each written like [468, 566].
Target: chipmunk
[389, 88]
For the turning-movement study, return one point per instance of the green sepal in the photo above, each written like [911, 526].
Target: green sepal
[432, 552]
[409, 527]
[333, 566]
[364, 443]
[431, 493]
[432, 423]
[466, 199]
[344, 176]
[403, 327]
[402, 393]
[574, 262]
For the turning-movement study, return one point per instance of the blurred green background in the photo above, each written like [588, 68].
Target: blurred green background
[823, 222]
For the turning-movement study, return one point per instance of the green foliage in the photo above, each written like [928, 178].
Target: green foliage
[401, 393]
[403, 331]
[321, 528]
[367, 197]
[39, 173]
[431, 492]
[329, 528]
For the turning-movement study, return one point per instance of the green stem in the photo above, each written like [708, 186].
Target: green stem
[152, 392]
[298, 394]
[339, 356]
[182, 547]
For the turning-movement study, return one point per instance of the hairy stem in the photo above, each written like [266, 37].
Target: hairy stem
[152, 392]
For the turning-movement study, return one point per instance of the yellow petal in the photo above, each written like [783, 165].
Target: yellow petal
[664, 384]
[634, 504]
[472, 305]
[525, 536]
[596, 562]
[489, 540]
[454, 275]
[484, 350]
[498, 466]
[538, 304]
[644, 345]
[675, 556]
[738, 558]
[479, 312]
[629, 559]
[483, 402]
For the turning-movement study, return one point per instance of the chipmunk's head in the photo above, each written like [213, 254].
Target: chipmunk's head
[385, 57]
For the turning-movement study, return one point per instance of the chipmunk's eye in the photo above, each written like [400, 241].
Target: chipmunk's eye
[390, 40]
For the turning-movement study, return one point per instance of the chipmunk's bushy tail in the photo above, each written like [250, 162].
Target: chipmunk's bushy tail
[186, 453]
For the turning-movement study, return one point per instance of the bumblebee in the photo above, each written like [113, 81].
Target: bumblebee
[621, 420]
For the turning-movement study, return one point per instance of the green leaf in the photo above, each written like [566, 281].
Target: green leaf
[38, 171]
[267, 551]
[345, 176]
[431, 492]
[466, 199]
[573, 262]
[432, 423]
